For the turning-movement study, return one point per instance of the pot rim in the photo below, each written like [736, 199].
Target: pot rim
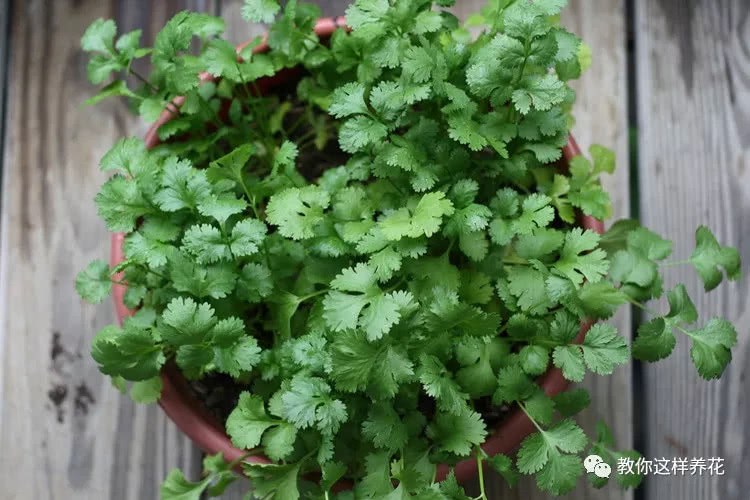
[191, 416]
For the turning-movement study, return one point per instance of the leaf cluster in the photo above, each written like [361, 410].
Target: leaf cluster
[368, 311]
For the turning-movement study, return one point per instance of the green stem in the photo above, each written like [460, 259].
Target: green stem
[304, 145]
[655, 313]
[401, 282]
[641, 306]
[515, 261]
[395, 186]
[296, 124]
[234, 463]
[148, 269]
[523, 408]
[206, 106]
[143, 79]
[311, 295]
[310, 133]
[480, 469]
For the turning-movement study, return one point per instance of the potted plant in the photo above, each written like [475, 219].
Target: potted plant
[365, 261]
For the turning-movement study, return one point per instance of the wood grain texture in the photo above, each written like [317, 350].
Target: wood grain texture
[694, 142]
[64, 431]
[601, 118]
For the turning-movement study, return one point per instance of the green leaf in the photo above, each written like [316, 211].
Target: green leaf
[528, 285]
[247, 236]
[601, 299]
[569, 359]
[99, 36]
[176, 487]
[711, 347]
[220, 59]
[604, 159]
[539, 92]
[438, 383]
[278, 442]
[356, 300]
[451, 489]
[534, 359]
[363, 12]
[219, 472]
[417, 64]
[274, 482]
[94, 283]
[465, 130]
[146, 391]
[215, 281]
[191, 322]
[536, 213]
[513, 385]
[206, 243]
[297, 212]
[424, 219]
[260, 11]
[307, 403]
[359, 132]
[249, 421]
[655, 339]
[331, 473]
[120, 203]
[637, 264]
[459, 432]
[571, 402]
[560, 475]
[285, 156]
[504, 466]
[427, 21]
[118, 88]
[385, 428]
[255, 282]
[580, 258]
[241, 356]
[221, 207]
[348, 100]
[543, 447]
[603, 349]
[709, 258]
[129, 352]
[183, 187]
[358, 365]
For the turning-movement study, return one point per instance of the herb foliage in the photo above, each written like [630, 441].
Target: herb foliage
[372, 309]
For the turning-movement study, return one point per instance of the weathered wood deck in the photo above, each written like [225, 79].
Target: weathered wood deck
[669, 89]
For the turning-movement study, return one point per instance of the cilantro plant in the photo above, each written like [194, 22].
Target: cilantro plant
[382, 251]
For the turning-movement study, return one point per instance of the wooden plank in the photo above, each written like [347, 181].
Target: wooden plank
[694, 143]
[64, 431]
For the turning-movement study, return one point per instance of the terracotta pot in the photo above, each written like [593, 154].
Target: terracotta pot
[182, 406]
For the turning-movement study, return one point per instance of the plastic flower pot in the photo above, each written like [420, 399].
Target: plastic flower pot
[190, 415]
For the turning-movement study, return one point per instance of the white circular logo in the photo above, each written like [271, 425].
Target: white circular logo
[590, 462]
[602, 470]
